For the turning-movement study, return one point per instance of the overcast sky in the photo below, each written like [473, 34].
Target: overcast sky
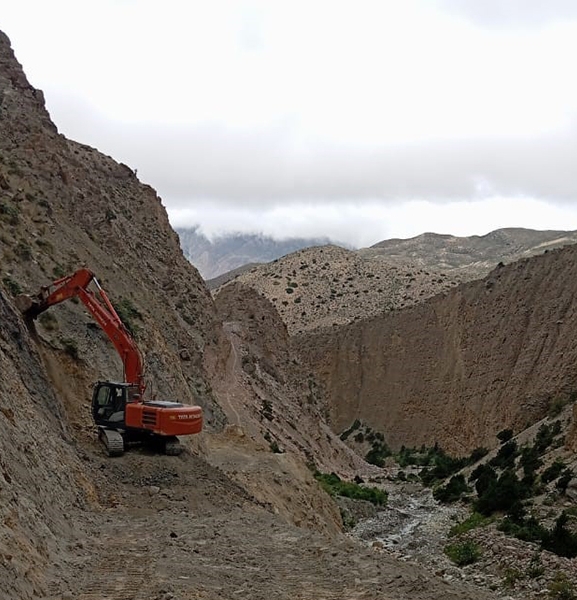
[358, 120]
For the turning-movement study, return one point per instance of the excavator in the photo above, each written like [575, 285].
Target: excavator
[119, 410]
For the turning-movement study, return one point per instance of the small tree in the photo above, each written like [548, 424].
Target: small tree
[505, 435]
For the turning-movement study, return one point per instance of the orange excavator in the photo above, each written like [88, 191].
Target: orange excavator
[119, 410]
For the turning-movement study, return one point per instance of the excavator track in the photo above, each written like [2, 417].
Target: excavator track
[112, 441]
[172, 446]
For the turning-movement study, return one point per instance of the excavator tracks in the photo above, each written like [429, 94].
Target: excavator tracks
[172, 446]
[112, 441]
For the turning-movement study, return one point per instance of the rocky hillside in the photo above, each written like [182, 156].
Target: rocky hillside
[324, 286]
[239, 513]
[458, 367]
[74, 524]
[226, 253]
[330, 285]
[474, 256]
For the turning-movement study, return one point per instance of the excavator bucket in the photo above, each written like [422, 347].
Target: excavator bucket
[26, 305]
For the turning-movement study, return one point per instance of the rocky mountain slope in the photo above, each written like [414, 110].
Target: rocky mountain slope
[330, 285]
[218, 521]
[239, 513]
[229, 252]
[474, 256]
[458, 367]
[317, 287]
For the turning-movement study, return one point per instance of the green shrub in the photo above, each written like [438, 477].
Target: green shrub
[477, 454]
[12, 286]
[59, 271]
[452, 491]
[545, 436]
[473, 521]
[70, 347]
[10, 213]
[505, 458]
[505, 435]
[500, 494]
[463, 553]
[530, 462]
[528, 530]
[128, 313]
[553, 471]
[564, 480]
[561, 588]
[48, 321]
[443, 466]
[345, 434]
[485, 476]
[561, 540]
[45, 246]
[378, 453]
[333, 484]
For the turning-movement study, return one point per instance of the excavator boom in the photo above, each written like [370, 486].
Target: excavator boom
[76, 285]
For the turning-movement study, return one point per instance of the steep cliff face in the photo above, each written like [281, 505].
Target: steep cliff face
[64, 205]
[265, 390]
[37, 465]
[460, 367]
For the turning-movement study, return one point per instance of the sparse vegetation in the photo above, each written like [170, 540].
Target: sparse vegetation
[463, 553]
[335, 486]
[553, 471]
[70, 347]
[473, 521]
[561, 588]
[59, 271]
[11, 285]
[23, 251]
[128, 313]
[453, 491]
[535, 568]
[48, 321]
[505, 435]
[9, 213]
[345, 434]
[274, 447]
[557, 406]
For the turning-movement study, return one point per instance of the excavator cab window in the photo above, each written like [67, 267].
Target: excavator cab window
[108, 404]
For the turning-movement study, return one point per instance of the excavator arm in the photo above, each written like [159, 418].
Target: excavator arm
[100, 307]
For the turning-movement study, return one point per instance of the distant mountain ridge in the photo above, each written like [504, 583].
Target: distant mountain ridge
[474, 255]
[329, 285]
[229, 252]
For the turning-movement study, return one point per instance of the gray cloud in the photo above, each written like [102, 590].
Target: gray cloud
[269, 167]
[260, 168]
[512, 14]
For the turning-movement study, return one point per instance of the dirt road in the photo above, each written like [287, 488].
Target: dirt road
[177, 529]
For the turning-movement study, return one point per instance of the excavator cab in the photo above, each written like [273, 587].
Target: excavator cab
[109, 402]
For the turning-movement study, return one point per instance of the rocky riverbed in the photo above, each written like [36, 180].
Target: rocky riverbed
[414, 528]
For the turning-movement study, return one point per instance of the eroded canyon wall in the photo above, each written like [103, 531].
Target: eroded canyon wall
[460, 367]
